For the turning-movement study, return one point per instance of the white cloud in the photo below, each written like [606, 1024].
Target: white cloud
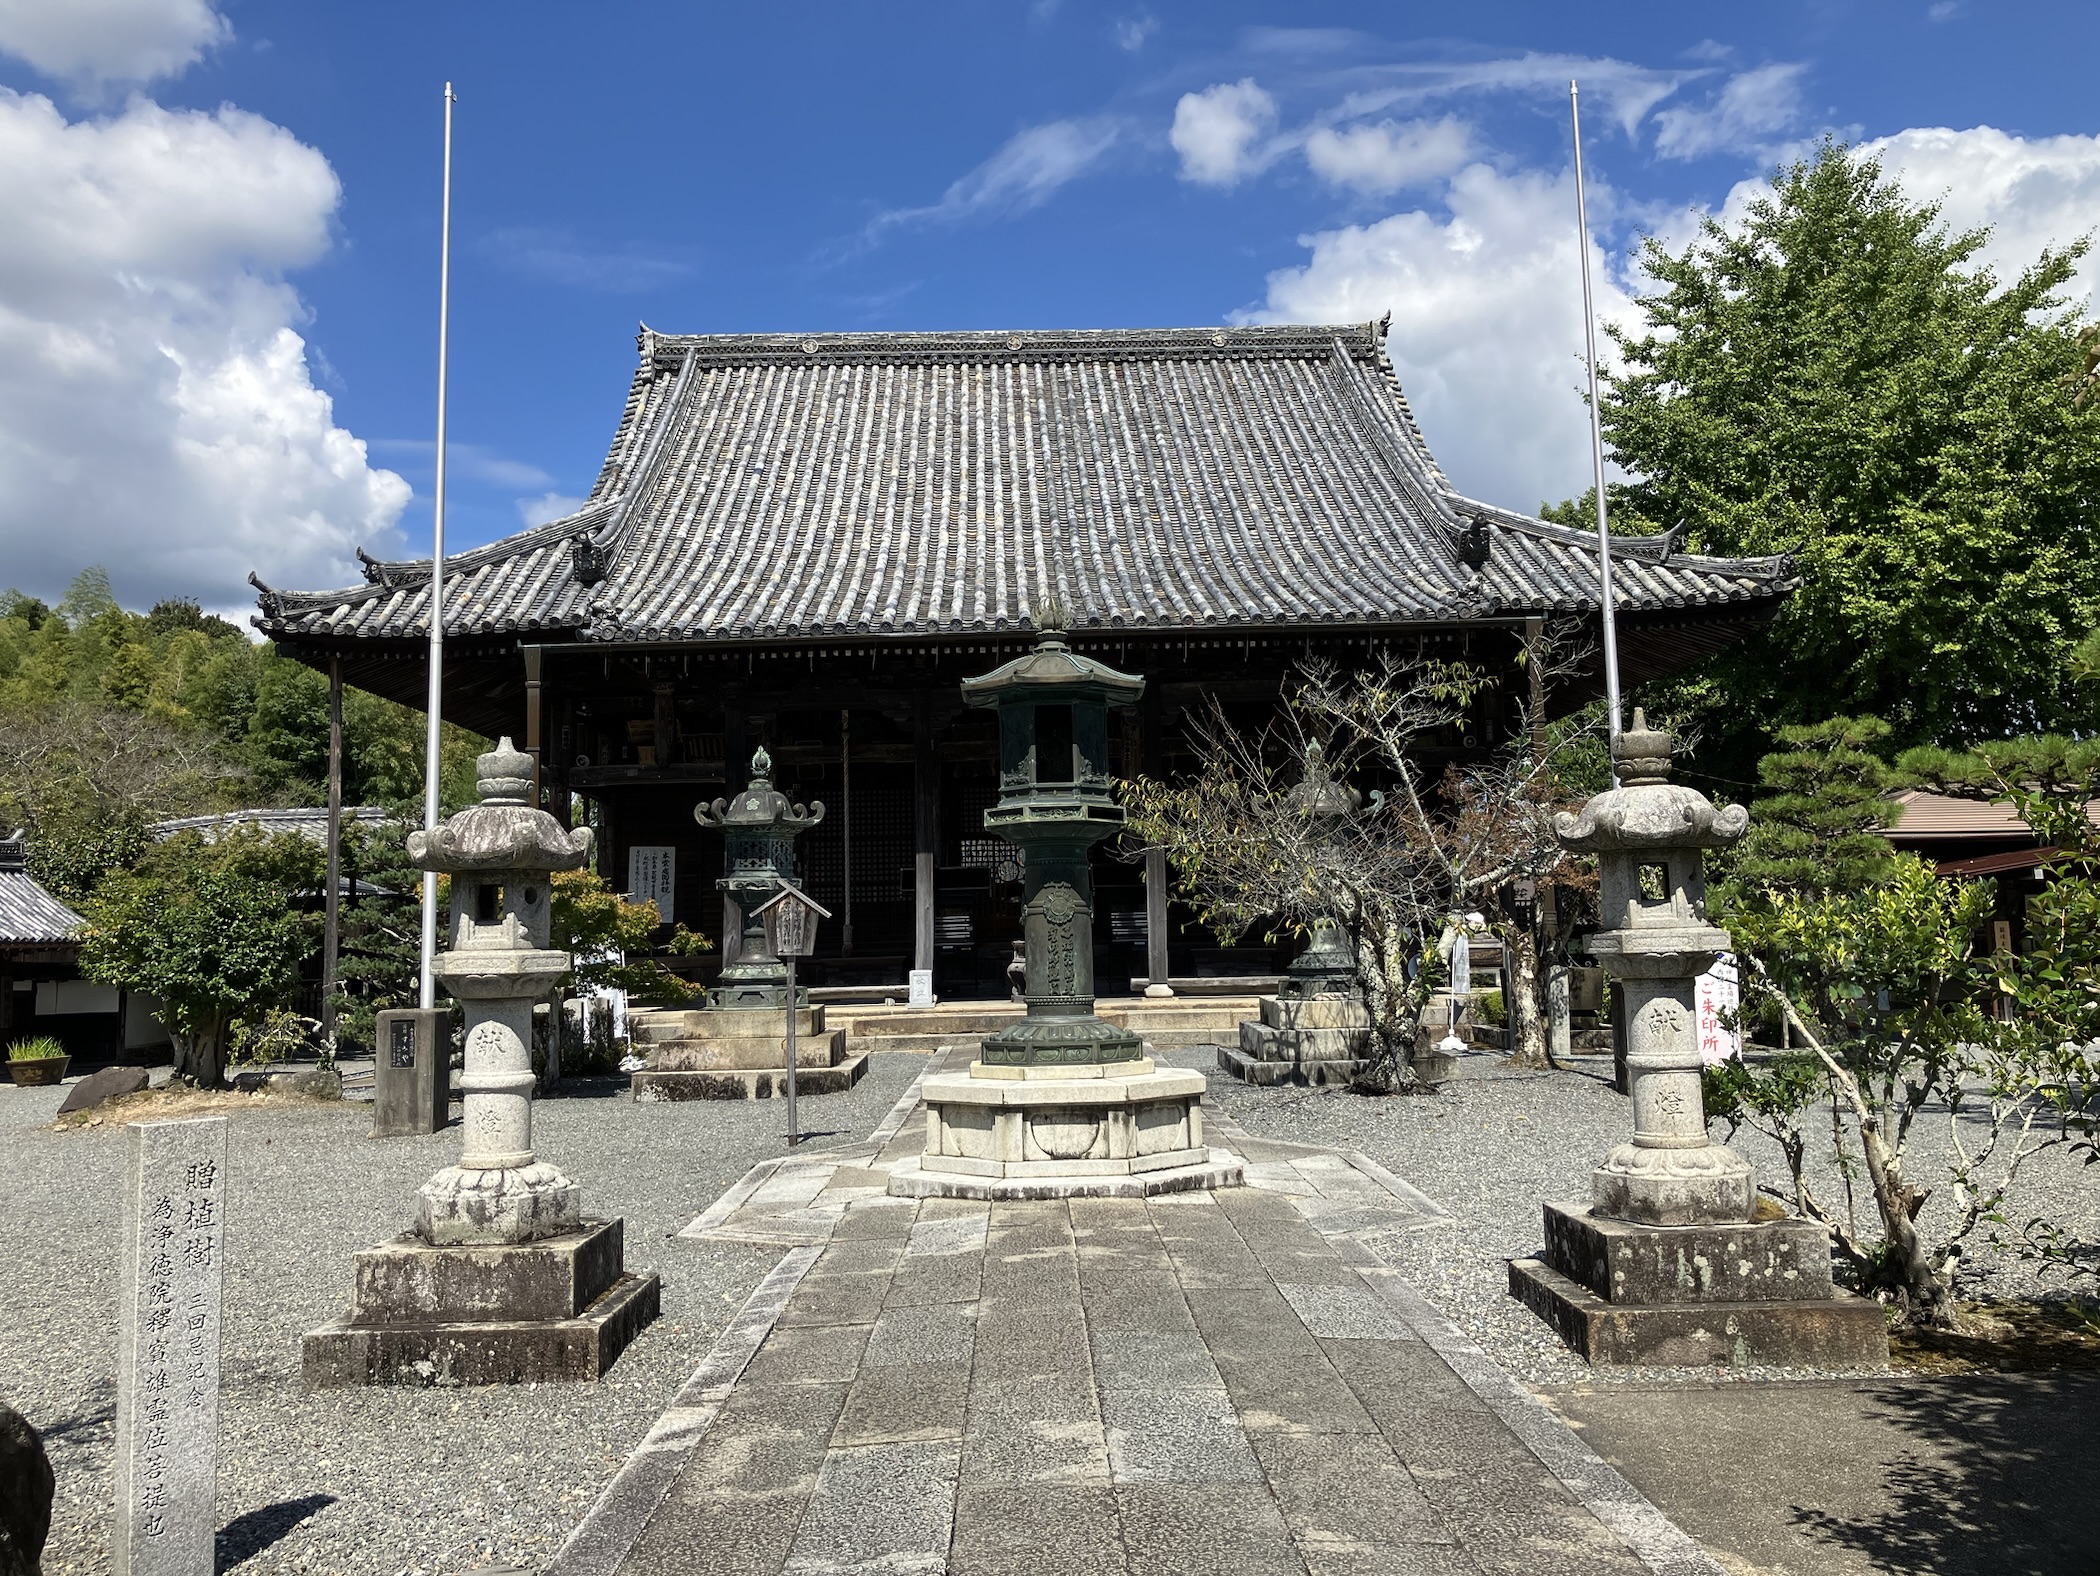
[1024, 173]
[1220, 132]
[557, 257]
[157, 413]
[468, 462]
[548, 506]
[1387, 157]
[90, 42]
[1751, 108]
[1133, 32]
[1486, 300]
[2032, 191]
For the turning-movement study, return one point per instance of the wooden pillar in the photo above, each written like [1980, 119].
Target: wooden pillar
[666, 725]
[926, 831]
[846, 830]
[7, 998]
[532, 718]
[736, 761]
[332, 898]
[1157, 965]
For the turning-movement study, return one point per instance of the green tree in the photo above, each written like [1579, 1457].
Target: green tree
[1836, 377]
[1817, 825]
[211, 930]
[379, 954]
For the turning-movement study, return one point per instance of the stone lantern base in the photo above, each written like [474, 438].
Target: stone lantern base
[739, 1053]
[1123, 1129]
[1302, 1040]
[1743, 1294]
[561, 1308]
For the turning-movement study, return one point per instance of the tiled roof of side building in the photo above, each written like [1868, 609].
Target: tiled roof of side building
[786, 486]
[28, 912]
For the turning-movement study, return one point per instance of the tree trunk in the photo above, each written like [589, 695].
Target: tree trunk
[1520, 996]
[200, 1055]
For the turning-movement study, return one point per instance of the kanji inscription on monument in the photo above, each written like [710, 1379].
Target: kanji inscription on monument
[168, 1349]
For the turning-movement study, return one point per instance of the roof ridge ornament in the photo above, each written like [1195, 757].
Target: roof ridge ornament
[1051, 618]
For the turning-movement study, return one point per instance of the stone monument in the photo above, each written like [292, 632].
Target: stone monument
[1674, 1261]
[1059, 1103]
[1315, 1029]
[503, 1279]
[735, 1048]
[174, 1258]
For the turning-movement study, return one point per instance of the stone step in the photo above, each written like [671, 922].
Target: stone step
[746, 1052]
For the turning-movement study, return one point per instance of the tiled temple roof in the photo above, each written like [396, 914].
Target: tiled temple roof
[29, 914]
[769, 487]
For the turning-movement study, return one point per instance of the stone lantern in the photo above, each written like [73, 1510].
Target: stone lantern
[1671, 1261]
[759, 827]
[502, 1279]
[733, 1049]
[1315, 1029]
[1060, 1102]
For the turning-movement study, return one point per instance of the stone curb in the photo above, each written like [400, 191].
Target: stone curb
[613, 1525]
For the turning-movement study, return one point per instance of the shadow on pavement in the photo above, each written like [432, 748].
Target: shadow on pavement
[1970, 1475]
[2002, 1476]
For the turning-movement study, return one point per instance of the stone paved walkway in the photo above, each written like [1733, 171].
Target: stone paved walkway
[1202, 1383]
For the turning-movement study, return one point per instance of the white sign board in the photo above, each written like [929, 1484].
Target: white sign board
[652, 875]
[921, 987]
[1461, 965]
[1718, 995]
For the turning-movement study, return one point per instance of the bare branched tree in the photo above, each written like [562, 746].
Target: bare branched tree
[1427, 843]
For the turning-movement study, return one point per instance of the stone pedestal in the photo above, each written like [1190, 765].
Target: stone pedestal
[559, 1308]
[1741, 1293]
[1124, 1129]
[739, 1054]
[1302, 1040]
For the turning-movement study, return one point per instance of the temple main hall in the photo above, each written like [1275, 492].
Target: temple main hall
[807, 541]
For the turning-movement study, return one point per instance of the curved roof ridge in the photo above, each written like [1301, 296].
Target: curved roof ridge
[1650, 549]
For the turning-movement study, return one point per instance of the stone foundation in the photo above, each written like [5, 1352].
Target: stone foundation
[740, 1054]
[559, 1309]
[1302, 1040]
[1735, 1294]
[1058, 1128]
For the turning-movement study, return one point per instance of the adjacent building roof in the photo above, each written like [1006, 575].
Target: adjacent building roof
[307, 821]
[1937, 818]
[30, 915]
[770, 487]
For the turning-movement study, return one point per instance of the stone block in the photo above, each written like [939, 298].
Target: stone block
[1314, 1012]
[490, 1351]
[748, 1052]
[173, 1259]
[411, 1072]
[1218, 1168]
[1826, 1332]
[1272, 1073]
[407, 1280]
[1778, 1260]
[760, 1083]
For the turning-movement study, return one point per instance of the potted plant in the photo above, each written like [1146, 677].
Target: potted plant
[40, 1060]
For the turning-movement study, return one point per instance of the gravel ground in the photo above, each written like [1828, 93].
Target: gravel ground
[389, 1482]
[1492, 1148]
[380, 1481]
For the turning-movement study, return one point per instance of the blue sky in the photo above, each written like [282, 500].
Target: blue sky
[226, 283]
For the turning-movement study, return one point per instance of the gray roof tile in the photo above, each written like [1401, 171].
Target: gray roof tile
[779, 486]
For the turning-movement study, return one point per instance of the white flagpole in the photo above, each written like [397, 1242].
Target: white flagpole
[1589, 335]
[427, 986]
